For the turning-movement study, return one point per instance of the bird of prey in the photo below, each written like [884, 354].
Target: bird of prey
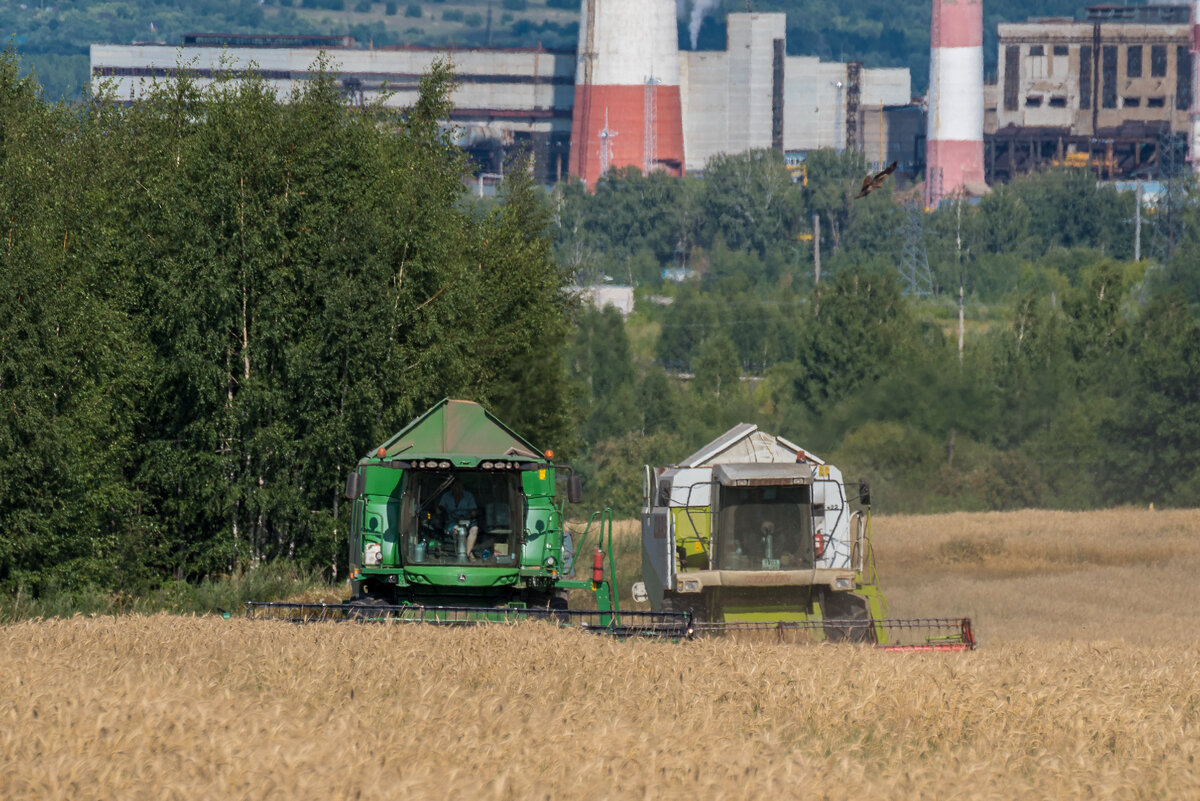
[873, 182]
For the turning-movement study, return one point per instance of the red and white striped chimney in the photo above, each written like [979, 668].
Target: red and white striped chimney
[1194, 133]
[954, 140]
[627, 101]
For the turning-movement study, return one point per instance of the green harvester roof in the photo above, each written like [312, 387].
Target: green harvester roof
[458, 430]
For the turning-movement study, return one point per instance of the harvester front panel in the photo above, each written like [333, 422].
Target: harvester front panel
[456, 508]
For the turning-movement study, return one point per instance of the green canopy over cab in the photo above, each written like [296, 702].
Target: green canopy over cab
[457, 430]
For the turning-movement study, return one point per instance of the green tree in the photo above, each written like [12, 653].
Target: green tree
[602, 361]
[1154, 445]
[833, 179]
[855, 328]
[71, 370]
[750, 201]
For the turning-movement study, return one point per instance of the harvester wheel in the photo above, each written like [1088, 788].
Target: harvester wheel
[844, 606]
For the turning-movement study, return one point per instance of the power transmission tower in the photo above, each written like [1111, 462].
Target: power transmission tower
[914, 261]
[650, 137]
[1170, 199]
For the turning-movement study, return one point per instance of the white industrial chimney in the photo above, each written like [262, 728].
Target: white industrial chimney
[954, 143]
[627, 102]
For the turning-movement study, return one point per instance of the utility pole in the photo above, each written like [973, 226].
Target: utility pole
[958, 261]
[1137, 223]
[816, 249]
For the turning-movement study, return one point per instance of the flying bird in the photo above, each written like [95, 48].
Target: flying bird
[873, 182]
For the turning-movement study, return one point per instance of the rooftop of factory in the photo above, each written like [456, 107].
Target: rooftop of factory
[1147, 14]
[261, 40]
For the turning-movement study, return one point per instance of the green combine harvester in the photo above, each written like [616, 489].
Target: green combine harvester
[456, 519]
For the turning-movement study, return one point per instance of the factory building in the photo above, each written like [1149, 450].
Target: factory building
[1109, 92]
[753, 95]
[504, 98]
[627, 97]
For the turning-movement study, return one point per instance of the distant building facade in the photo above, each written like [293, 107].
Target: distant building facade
[505, 99]
[751, 95]
[1107, 92]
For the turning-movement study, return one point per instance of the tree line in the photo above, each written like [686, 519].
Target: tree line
[215, 301]
[1075, 384]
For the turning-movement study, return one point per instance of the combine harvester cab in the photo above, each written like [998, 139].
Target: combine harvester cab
[752, 533]
[457, 510]
[455, 520]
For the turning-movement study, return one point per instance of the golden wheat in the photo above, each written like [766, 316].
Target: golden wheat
[166, 707]
[1117, 574]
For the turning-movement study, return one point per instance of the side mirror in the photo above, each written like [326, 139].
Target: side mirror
[574, 489]
[354, 485]
[864, 492]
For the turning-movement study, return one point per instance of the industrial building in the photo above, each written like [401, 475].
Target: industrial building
[753, 95]
[1108, 92]
[627, 97]
[504, 98]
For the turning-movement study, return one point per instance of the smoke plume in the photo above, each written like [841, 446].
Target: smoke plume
[699, 10]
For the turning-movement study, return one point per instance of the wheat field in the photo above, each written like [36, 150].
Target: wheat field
[1096, 696]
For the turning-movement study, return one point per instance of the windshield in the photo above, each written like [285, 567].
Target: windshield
[764, 528]
[462, 518]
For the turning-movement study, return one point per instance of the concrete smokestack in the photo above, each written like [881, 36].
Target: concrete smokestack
[1194, 112]
[627, 101]
[954, 141]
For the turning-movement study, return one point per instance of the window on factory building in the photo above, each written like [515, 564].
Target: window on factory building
[1133, 61]
[1012, 77]
[1085, 77]
[1131, 102]
[1033, 101]
[1038, 66]
[1183, 78]
[1156, 102]
[1058, 102]
[1060, 50]
[1158, 61]
[1108, 76]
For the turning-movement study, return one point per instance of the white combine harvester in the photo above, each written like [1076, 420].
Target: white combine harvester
[754, 532]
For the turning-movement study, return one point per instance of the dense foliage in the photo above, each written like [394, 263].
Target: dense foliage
[213, 302]
[1078, 380]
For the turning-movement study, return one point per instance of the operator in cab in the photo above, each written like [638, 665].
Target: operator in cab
[458, 504]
